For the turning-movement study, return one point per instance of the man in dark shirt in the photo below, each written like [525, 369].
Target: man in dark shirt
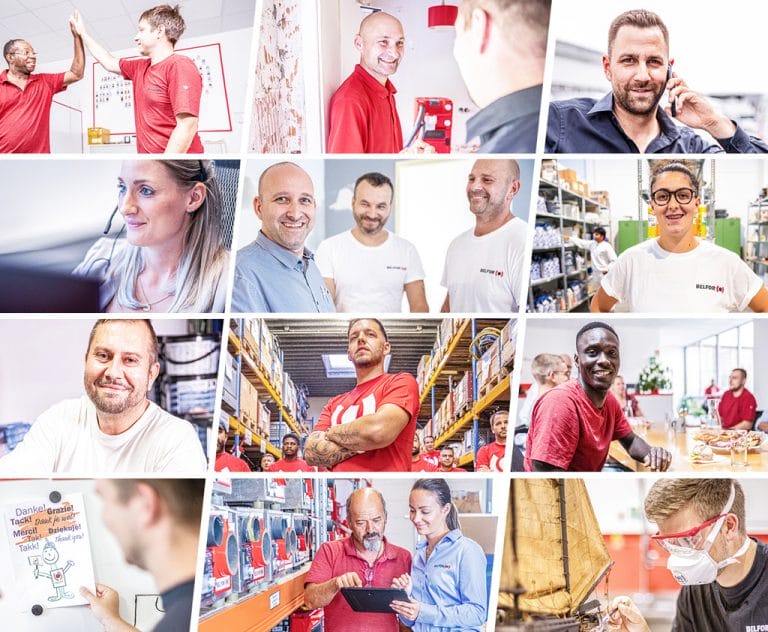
[500, 48]
[724, 573]
[157, 524]
[629, 119]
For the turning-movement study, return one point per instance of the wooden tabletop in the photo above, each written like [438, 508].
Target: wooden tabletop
[679, 444]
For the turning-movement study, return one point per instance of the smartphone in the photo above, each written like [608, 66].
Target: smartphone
[672, 105]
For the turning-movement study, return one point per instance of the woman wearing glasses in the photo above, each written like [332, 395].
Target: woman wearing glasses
[447, 580]
[172, 258]
[677, 272]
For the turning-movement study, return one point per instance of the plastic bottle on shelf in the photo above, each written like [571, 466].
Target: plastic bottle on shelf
[653, 227]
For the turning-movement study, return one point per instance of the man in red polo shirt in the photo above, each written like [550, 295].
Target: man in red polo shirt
[26, 98]
[573, 424]
[370, 427]
[166, 86]
[738, 406]
[365, 558]
[363, 114]
[290, 461]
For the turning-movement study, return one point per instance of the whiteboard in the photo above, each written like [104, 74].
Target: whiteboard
[108, 565]
[113, 95]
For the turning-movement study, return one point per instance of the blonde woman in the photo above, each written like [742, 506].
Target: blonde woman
[172, 258]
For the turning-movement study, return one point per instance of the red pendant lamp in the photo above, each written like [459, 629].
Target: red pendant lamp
[442, 16]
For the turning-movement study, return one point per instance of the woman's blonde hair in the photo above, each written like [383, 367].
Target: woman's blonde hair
[203, 257]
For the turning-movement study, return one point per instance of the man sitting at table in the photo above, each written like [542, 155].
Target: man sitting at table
[737, 407]
[573, 424]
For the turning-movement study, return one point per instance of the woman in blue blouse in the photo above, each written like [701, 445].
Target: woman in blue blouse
[447, 581]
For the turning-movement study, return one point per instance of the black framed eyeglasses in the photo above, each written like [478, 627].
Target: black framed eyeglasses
[663, 196]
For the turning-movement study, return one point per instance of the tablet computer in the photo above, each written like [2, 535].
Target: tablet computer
[373, 599]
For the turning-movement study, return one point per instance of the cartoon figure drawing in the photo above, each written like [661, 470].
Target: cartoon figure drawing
[56, 574]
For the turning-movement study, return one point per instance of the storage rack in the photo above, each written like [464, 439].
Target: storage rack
[175, 391]
[249, 368]
[757, 237]
[455, 361]
[557, 195]
[261, 611]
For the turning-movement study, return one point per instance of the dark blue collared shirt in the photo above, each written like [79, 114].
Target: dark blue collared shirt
[586, 126]
[269, 278]
[509, 125]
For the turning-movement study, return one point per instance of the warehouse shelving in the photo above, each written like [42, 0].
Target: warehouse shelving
[455, 361]
[757, 249]
[248, 368]
[262, 611]
[557, 195]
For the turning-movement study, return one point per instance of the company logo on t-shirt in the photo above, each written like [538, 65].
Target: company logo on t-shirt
[444, 566]
[761, 627]
[719, 289]
[496, 273]
[403, 268]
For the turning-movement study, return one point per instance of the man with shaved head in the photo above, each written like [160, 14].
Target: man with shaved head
[483, 266]
[363, 114]
[364, 558]
[276, 272]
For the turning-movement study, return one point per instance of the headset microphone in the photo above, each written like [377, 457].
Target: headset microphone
[109, 221]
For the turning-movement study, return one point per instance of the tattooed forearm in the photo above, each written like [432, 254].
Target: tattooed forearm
[347, 437]
[319, 451]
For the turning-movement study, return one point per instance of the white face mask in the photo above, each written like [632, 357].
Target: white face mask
[692, 567]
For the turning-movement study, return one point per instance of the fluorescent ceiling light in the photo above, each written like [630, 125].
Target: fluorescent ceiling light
[339, 365]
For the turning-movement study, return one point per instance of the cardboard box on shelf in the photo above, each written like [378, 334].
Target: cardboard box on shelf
[600, 197]
[568, 176]
[249, 400]
[580, 188]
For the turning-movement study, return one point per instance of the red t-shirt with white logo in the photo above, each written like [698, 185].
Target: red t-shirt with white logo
[160, 92]
[422, 465]
[569, 432]
[400, 389]
[491, 455]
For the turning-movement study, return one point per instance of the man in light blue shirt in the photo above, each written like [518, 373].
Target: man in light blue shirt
[276, 273]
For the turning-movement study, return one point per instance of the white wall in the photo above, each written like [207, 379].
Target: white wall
[618, 503]
[109, 566]
[739, 32]
[70, 199]
[427, 69]
[42, 362]
[235, 47]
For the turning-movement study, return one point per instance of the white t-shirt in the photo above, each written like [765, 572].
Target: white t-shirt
[368, 278]
[67, 438]
[484, 274]
[706, 279]
[602, 253]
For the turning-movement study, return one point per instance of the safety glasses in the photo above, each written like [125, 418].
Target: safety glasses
[689, 540]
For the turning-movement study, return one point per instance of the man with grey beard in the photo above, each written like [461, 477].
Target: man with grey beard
[364, 558]
[115, 428]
